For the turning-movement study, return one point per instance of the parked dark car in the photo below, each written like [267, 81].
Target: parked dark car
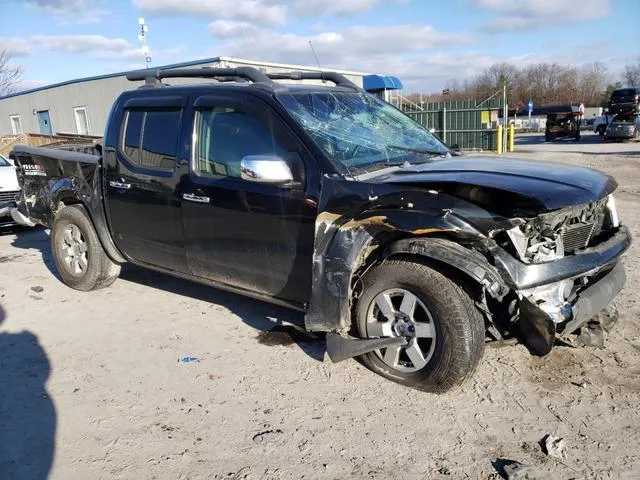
[562, 123]
[331, 201]
[625, 101]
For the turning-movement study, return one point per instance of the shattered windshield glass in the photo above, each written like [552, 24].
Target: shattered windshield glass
[361, 131]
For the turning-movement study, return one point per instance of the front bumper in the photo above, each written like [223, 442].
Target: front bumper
[544, 310]
[595, 298]
[538, 329]
[521, 276]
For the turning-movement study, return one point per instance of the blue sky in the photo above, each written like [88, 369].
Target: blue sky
[424, 43]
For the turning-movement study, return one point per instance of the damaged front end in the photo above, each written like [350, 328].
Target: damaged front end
[563, 268]
[535, 277]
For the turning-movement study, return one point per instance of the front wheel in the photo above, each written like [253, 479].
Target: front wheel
[80, 259]
[444, 331]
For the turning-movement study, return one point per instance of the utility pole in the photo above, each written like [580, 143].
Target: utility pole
[504, 116]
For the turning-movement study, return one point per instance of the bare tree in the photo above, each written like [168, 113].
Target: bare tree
[631, 74]
[9, 74]
[543, 83]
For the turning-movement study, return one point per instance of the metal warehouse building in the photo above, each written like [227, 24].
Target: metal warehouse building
[81, 106]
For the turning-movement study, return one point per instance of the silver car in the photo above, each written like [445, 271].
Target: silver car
[624, 127]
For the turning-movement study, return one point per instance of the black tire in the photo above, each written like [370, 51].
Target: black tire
[99, 270]
[459, 326]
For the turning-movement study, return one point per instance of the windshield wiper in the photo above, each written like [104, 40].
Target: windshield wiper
[416, 150]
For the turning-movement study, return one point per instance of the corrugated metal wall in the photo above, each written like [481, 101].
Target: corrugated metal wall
[459, 124]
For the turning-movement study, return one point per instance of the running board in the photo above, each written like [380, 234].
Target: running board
[342, 348]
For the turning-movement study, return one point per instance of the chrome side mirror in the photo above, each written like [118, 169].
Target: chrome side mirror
[269, 169]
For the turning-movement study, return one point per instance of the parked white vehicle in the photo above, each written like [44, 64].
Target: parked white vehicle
[601, 123]
[9, 189]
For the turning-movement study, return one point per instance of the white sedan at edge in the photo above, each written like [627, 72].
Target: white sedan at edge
[9, 190]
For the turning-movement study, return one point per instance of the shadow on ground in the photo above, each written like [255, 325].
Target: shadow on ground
[539, 140]
[276, 325]
[27, 413]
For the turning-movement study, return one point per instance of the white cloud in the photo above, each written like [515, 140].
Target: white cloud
[322, 8]
[73, 11]
[233, 28]
[352, 44]
[16, 46]
[530, 14]
[78, 43]
[263, 12]
[259, 11]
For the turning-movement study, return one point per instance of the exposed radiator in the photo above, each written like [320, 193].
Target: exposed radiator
[578, 235]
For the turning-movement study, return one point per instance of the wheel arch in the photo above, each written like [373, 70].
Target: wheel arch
[345, 252]
[67, 199]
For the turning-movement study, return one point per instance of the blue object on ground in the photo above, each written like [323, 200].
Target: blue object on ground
[189, 360]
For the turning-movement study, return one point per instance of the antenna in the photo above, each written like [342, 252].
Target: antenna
[144, 28]
[317, 61]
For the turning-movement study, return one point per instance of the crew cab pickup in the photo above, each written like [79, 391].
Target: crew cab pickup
[329, 200]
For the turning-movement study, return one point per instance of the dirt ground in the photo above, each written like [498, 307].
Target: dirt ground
[91, 386]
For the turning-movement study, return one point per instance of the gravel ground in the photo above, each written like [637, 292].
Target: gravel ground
[91, 386]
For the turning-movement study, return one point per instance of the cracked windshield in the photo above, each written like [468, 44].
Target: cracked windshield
[360, 131]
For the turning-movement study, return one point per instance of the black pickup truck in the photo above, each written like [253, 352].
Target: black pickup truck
[329, 200]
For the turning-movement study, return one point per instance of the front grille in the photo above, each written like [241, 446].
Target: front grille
[578, 235]
[9, 196]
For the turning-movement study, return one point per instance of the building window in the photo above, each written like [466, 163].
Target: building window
[16, 125]
[82, 120]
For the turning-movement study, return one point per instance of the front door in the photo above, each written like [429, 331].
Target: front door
[142, 176]
[252, 236]
[45, 123]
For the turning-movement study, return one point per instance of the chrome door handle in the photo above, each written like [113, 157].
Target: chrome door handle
[114, 184]
[195, 198]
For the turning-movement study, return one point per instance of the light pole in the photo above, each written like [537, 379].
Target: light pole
[144, 28]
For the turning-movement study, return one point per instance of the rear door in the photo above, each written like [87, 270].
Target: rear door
[248, 235]
[142, 175]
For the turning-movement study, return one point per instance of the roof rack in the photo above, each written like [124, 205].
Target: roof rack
[334, 77]
[152, 77]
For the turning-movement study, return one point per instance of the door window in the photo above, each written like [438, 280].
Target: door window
[16, 125]
[160, 139]
[82, 121]
[225, 135]
[150, 138]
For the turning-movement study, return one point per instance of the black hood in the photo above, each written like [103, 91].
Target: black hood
[551, 185]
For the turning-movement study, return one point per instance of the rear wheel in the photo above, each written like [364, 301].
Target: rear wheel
[440, 323]
[80, 259]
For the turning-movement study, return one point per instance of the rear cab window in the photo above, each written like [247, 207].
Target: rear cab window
[149, 137]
